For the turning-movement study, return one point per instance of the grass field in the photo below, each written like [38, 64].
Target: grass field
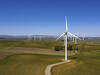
[89, 44]
[26, 64]
[45, 44]
[85, 63]
[29, 57]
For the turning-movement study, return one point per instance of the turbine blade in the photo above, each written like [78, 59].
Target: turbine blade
[66, 23]
[60, 36]
[73, 35]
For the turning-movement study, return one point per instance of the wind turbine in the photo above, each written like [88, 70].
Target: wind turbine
[65, 34]
[73, 39]
[76, 40]
[30, 37]
[34, 37]
[83, 36]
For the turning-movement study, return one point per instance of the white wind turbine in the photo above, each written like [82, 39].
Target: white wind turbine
[83, 36]
[30, 37]
[65, 34]
[76, 40]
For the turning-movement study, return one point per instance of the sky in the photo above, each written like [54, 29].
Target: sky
[47, 17]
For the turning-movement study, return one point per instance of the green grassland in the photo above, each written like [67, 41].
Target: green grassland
[26, 64]
[88, 44]
[45, 44]
[30, 57]
[85, 63]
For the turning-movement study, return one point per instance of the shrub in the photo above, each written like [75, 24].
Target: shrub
[58, 48]
[70, 47]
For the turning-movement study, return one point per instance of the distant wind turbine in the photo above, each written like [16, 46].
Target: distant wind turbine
[73, 39]
[76, 40]
[83, 36]
[65, 34]
[30, 37]
[34, 37]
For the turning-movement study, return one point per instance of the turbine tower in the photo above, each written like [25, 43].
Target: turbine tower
[65, 34]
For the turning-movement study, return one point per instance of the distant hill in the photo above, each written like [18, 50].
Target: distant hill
[25, 36]
[34, 36]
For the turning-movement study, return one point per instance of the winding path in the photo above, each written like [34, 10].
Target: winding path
[49, 67]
